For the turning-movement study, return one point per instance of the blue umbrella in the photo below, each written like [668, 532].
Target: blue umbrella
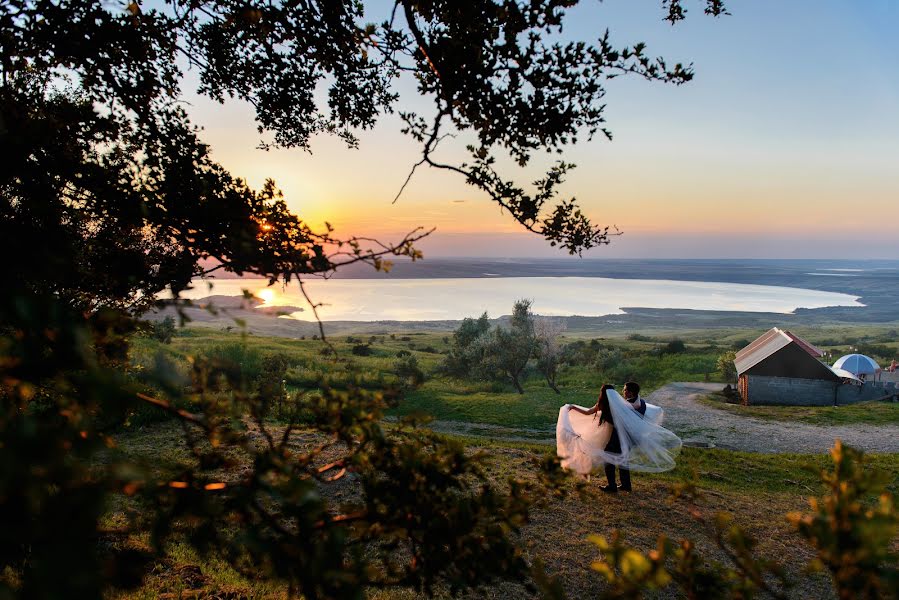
[857, 364]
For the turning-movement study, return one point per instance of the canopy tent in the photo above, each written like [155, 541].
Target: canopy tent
[844, 374]
[857, 364]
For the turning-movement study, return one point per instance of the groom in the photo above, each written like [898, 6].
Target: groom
[632, 395]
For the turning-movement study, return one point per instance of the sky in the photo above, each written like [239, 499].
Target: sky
[785, 145]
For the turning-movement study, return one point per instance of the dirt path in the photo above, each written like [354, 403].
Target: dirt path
[700, 425]
[697, 423]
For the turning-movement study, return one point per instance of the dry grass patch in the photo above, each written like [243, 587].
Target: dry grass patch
[758, 489]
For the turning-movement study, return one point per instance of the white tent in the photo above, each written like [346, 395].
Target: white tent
[857, 364]
[844, 374]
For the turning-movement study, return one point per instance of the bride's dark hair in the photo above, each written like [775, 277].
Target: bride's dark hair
[605, 411]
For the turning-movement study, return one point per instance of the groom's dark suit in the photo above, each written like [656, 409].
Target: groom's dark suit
[614, 445]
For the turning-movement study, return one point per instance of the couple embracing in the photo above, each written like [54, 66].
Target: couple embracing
[622, 433]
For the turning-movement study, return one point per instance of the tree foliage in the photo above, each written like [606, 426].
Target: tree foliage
[500, 353]
[464, 355]
[852, 529]
[110, 198]
[498, 69]
[727, 367]
[505, 351]
[549, 350]
[164, 330]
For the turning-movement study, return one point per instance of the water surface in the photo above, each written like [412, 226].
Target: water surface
[457, 298]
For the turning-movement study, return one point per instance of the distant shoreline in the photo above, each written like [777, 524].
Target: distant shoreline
[689, 269]
[873, 281]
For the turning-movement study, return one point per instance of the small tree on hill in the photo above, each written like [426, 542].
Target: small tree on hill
[465, 354]
[409, 372]
[505, 352]
[727, 367]
[549, 349]
[271, 380]
[164, 330]
[674, 347]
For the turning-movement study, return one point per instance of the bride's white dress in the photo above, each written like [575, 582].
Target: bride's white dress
[645, 444]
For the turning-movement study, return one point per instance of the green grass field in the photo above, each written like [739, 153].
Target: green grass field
[872, 413]
[496, 402]
[442, 397]
[758, 489]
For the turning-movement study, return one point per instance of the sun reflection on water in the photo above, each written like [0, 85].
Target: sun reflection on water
[267, 295]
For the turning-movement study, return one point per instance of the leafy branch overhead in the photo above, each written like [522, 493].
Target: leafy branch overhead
[110, 197]
[498, 69]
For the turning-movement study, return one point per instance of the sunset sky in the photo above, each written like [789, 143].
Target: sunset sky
[786, 144]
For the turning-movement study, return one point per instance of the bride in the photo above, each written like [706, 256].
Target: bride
[583, 433]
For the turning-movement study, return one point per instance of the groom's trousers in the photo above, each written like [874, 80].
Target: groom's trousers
[614, 445]
[625, 475]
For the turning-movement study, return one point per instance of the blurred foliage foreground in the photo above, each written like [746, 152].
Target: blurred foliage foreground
[424, 511]
[109, 198]
[422, 515]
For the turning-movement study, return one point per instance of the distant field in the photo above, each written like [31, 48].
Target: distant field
[441, 397]
[601, 360]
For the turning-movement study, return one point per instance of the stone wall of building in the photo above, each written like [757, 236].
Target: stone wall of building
[790, 391]
[851, 393]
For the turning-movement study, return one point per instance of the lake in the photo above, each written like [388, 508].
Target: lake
[456, 298]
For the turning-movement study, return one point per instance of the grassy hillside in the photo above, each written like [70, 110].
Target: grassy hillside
[592, 363]
[757, 489]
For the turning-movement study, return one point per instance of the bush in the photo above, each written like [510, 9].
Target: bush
[851, 529]
[362, 350]
[740, 344]
[407, 369]
[726, 366]
[578, 353]
[271, 380]
[608, 359]
[674, 347]
[888, 336]
[877, 351]
[240, 363]
[464, 354]
[164, 330]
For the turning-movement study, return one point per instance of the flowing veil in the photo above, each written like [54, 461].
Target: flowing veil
[645, 445]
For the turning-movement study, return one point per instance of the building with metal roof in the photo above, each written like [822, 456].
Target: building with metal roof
[781, 368]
